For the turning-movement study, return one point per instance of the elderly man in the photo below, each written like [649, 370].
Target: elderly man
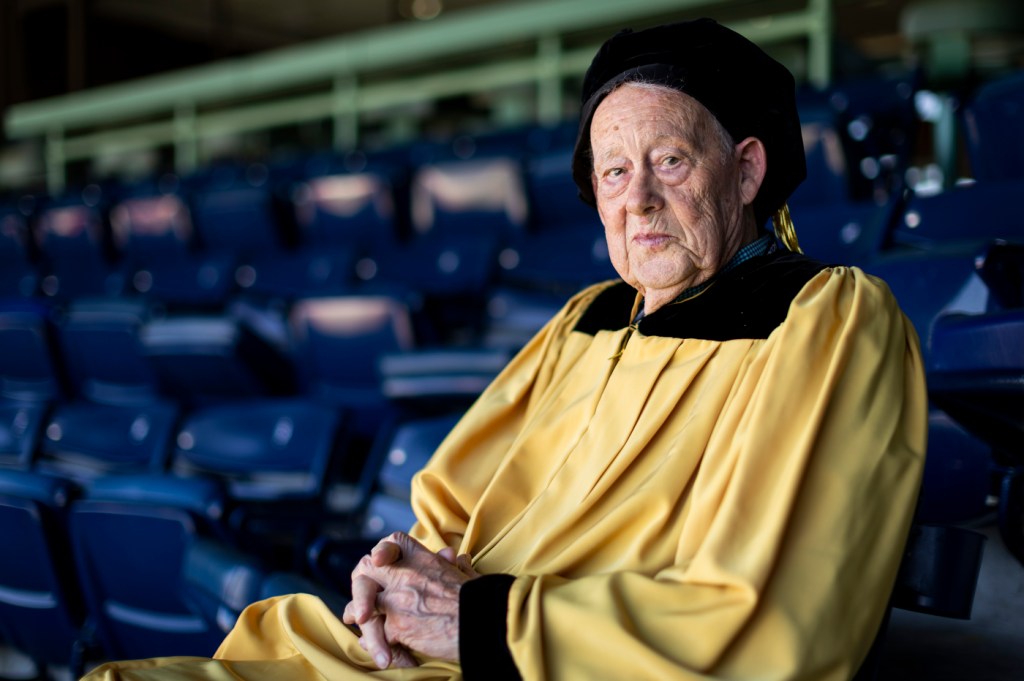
[706, 470]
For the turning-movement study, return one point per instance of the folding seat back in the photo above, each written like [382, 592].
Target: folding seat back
[130, 536]
[995, 141]
[346, 210]
[163, 261]
[30, 366]
[84, 441]
[410, 448]
[554, 198]
[76, 255]
[480, 195]
[20, 429]
[338, 342]
[40, 607]
[151, 227]
[99, 340]
[340, 217]
[236, 210]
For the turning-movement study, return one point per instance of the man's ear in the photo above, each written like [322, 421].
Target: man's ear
[753, 164]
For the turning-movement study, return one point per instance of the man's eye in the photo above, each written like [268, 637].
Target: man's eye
[615, 172]
[671, 161]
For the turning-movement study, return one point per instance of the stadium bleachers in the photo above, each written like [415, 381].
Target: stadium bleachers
[252, 339]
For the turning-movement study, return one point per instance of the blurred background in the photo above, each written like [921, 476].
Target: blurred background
[257, 257]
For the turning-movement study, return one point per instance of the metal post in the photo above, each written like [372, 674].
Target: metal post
[549, 80]
[819, 42]
[345, 112]
[56, 177]
[186, 139]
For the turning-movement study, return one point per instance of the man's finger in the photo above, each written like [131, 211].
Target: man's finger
[363, 605]
[375, 643]
[385, 553]
[448, 553]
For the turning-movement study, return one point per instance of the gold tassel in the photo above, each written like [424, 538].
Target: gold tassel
[785, 230]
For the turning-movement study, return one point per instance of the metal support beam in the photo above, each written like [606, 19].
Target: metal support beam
[186, 142]
[549, 79]
[55, 160]
[819, 48]
[348, 78]
[345, 112]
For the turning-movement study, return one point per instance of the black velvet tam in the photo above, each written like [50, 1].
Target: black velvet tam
[751, 94]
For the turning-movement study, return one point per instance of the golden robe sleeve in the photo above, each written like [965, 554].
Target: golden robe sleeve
[772, 558]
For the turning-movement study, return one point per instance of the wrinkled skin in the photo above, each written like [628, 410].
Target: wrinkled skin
[406, 598]
[674, 194]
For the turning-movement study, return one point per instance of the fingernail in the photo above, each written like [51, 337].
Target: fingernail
[382, 661]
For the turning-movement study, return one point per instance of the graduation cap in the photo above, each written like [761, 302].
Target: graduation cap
[750, 94]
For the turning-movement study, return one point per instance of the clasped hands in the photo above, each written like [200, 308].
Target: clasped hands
[405, 598]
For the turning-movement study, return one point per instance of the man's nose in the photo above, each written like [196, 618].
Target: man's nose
[644, 193]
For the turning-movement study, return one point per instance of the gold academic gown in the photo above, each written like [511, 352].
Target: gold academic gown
[671, 508]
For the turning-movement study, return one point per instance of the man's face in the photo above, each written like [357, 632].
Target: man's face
[669, 191]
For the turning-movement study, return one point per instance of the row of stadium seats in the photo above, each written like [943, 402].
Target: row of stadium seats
[154, 548]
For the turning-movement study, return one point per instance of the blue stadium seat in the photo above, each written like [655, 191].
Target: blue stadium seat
[20, 429]
[276, 458]
[976, 374]
[130, 536]
[457, 375]
[163, 258]
[99, 339]
[337, 343]
[30, 367]
[554, 199]
[18, 275]
[202, 359]
[77, 258]
[236, 209]
[828, 167]
[991, 120]
[41, 612]
[220, 582]
[405, 450]
[468, 197]
[558, 261]
[84, 441]
[354, 210]
[842, 232]
[973, 214]
[928, 283]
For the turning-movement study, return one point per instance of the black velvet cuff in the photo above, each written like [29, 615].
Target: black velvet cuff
[483, 629]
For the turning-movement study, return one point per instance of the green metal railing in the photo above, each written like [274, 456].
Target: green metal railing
[348, 77]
